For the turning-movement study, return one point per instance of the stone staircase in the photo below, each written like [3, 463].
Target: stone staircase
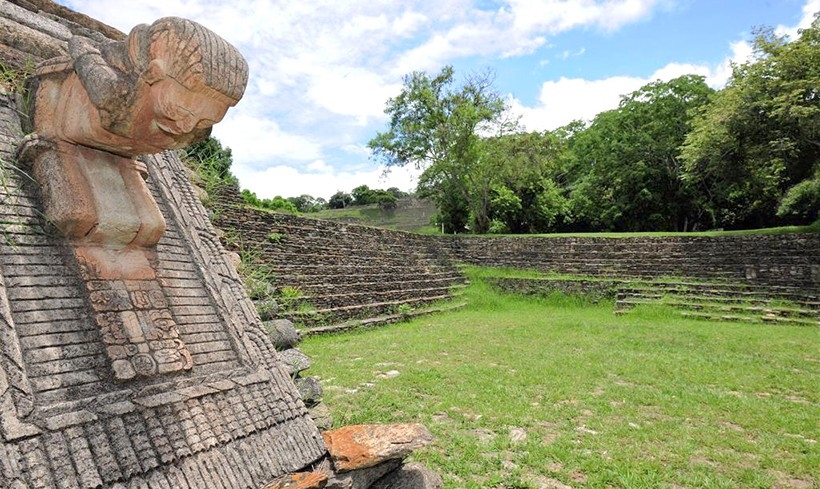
[712, 300]
[329, 276]
[725, 301]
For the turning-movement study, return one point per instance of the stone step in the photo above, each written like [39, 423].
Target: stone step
[381, 320]
[810, 307]
[328, 301]
[392, 284]
[332, 315]
[721, 289]
[367, 268]
[750, 319]
[355, 274]
[715, 311]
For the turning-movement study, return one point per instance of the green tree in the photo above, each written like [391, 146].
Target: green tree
[339, 200]
[307, 203]
[627, 171]
[395, 192]
[363, 195]
[277, 203]
[211, 162]
[435, 126]
[528, 194]
[761, 135]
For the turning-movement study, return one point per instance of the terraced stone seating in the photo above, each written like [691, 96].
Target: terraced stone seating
[770, 260]
[727, 301]
[714, 300]
[331, 276]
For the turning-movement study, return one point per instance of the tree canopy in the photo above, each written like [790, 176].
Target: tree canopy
[436, 126]
[673, 156]
[760, 137]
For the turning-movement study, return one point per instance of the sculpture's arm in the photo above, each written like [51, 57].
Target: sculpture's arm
[107, 87]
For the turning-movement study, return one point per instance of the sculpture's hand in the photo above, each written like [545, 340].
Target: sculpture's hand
[79, 46]
[106, 87]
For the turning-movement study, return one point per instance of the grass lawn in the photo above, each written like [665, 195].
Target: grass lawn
[555, 393]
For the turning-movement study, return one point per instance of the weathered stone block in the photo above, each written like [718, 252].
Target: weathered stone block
[295, 360]
[283, 334]
[309, 389]
[361, 446]
[410, 476]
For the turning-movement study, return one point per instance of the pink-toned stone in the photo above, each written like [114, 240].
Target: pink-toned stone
[301, 480]
[94, 112]
[361, 446]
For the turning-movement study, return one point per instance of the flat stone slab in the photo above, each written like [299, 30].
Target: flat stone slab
[361, 446]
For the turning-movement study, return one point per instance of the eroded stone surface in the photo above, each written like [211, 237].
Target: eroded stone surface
[283, 334]
[300, 480]
[363, 478]
[310, 390]
[361, 446]
[295, 360]
[410, 476]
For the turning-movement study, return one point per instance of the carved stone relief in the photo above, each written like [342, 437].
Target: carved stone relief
[94, 112]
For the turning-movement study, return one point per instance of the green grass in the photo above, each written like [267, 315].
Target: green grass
[411, 215]
[643, 400]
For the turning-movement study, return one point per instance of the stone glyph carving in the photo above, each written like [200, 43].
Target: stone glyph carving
[94, 112]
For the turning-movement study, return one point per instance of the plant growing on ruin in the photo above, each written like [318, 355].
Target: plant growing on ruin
[404, 311]
[14, 80]
[288, 296]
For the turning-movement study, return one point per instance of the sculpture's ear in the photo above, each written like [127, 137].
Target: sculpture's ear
[155, 72]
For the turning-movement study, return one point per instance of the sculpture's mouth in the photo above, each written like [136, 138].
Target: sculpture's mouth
[168, 130]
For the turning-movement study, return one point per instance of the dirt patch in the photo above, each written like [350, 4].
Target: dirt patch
[542, 482]
[786, 481]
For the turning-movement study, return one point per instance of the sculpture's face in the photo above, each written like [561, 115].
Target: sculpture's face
[171, 114]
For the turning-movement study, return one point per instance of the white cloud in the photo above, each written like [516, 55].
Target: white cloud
[567, 99]
[809, 10]
[255, 140]
[321, 71]
[289, 181]
[364, 93]
[554, 16]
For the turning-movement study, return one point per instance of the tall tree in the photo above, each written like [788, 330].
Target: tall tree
[527, 195]
[436, 126]
[760, 138]
[627, 170]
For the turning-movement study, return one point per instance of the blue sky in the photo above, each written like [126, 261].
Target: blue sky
[322, 70]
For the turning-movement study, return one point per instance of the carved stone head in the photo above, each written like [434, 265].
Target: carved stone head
[163, 87]
[188, 77]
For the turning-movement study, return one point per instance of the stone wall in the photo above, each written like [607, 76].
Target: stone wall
[769, 260]
[342, 271]
[349, 265]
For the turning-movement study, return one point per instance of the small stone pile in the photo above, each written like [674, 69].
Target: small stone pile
[285, 338]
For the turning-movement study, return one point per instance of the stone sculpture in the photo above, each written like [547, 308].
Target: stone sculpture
[163, 87]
